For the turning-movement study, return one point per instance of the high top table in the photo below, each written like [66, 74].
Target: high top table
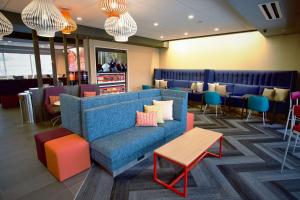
[187, 151]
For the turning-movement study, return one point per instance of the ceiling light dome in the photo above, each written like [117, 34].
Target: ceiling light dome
[113, 8]
[6, 27]
[121, 28]
[44, 17]
[71, 26]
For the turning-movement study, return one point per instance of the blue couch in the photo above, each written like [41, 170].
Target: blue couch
[108, 123]
[238, 83]
[183, 79]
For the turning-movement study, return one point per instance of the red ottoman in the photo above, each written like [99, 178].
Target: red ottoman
[42, 138]
[190, 121]
[11, 101]
[67, 156]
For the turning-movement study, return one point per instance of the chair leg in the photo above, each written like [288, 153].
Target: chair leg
[286, 151]
[295, 143]
[205, 109]
[287, 124]
[264, 118]
[216, 110]
[249, 115]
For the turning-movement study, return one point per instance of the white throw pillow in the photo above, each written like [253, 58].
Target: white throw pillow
[163, 84]
[212, 86]
[157, 83]
[199, 86]
[167, 107]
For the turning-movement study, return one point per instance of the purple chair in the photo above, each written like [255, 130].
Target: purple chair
[88, 88]
[53, 111]
[294, 101]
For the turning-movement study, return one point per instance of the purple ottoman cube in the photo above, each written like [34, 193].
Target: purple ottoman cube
[43, 137]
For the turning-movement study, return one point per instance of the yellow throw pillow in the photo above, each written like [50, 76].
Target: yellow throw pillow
[269, 93]
[221, 89]
[194, 86]
[156, 85]
[281, 94]
[199, 86]
[155, 108]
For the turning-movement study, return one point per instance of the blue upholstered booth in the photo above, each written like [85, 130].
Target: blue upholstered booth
[238, 82]
[108, 123]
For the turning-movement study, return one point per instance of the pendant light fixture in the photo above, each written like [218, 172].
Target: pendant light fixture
[113, 8]
[44, 17]
[6, 27]
[121, 28]
[71, 26]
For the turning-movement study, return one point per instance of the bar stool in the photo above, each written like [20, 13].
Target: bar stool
[295, 129]
[294, 97]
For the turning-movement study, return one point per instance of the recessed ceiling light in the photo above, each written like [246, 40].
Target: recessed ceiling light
[155, 24]
[191, 16]
[186, 33]
[79, 18]
[161, 37]
[216, 29]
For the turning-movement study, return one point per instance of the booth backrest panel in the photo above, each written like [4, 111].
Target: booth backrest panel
[173, 74]
[284, 79]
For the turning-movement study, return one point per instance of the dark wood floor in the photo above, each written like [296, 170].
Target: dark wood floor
[22, 176]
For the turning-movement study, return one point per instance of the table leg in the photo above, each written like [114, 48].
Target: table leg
[154, 166]
[220, 147]
[185, 182]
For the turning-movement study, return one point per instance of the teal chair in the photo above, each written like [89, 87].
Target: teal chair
[146, 87]
[214, 99]
[259, 104]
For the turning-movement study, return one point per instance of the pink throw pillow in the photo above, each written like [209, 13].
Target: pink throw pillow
[146, 119]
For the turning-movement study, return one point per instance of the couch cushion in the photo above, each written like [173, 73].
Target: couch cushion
[133, 142]
[240, 89]
[106, 120]
[171, 127]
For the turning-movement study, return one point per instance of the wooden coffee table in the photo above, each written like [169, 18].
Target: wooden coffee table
[187, 151]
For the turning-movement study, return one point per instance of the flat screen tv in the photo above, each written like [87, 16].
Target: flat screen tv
[111, 60]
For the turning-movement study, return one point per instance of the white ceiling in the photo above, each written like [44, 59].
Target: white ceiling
[172, 16]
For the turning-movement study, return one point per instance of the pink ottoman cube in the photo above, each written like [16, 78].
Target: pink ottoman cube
[190, 121]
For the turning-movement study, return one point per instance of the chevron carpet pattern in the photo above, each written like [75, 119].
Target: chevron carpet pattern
[249, 169]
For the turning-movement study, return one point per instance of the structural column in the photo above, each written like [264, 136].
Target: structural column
[53, 60]
[37, 57]
[78, 59]
[66, 58]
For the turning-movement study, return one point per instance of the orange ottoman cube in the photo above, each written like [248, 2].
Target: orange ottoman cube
[67, 156]
[190, 121]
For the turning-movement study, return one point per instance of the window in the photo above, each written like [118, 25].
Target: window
[16, 64]
[2, 68]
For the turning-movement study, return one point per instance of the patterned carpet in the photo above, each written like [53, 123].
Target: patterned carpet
[249, 169]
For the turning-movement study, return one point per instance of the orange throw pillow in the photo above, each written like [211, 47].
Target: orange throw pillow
[53, 99]
[89, 94]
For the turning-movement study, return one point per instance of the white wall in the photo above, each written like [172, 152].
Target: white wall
[244, 51]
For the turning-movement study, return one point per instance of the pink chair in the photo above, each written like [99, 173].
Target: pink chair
[190, 121]
[295, 130]
[294, 100]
